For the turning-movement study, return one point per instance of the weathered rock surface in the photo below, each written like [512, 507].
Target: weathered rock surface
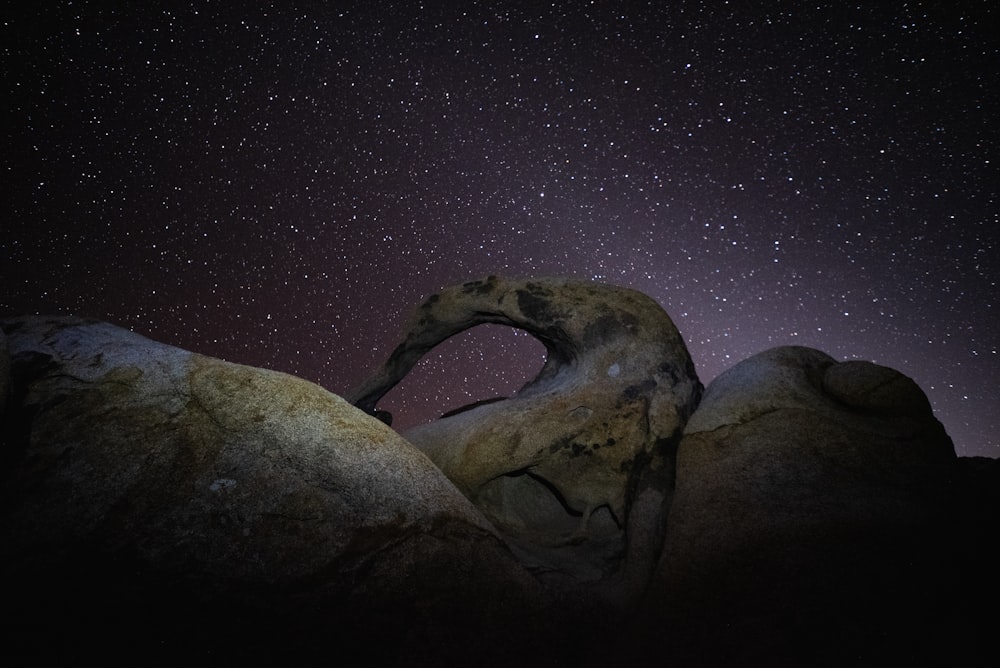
[576, 469]
[808, 524]
[158, 499]
[160, 505]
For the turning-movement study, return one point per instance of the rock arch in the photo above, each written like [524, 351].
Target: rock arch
[485, 363]
[577, 468]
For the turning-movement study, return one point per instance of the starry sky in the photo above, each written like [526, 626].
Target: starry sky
[279, 185]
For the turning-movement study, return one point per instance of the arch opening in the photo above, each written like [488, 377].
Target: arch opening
[481, 364]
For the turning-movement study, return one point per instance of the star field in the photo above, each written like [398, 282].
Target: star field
[279, 186]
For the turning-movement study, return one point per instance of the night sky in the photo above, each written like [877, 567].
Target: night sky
[279, 186]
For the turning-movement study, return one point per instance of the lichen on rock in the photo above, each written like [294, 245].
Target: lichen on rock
[575, 469]
[224, 501]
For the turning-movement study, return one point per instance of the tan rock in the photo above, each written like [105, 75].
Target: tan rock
[577, 467]
[183, 500]
[809, 496]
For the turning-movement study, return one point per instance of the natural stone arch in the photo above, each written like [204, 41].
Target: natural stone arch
[485, 363]
[596, 429]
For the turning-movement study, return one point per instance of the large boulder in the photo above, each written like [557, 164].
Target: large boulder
[576, 469]
[808, 524]
[160, 505]
[155, 500]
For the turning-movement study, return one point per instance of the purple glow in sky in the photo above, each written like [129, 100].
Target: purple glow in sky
[278, 186]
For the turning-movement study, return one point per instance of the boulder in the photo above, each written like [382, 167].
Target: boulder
[576, 469]
[159, 505]
[808, 524]
[158, 501]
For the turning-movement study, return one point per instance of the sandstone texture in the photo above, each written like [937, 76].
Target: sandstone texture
[161, 506]
[157, 498]
[576, 469]
[811, 518]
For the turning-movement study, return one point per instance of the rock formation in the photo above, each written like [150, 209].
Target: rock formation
[158, 504]
[810, 504]
[576, 469]
[192, 505]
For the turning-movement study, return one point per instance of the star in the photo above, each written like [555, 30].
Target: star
[280, 188]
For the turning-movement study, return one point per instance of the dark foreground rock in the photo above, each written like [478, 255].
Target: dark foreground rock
[157, 505]
[155, 500]
[814, 523]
